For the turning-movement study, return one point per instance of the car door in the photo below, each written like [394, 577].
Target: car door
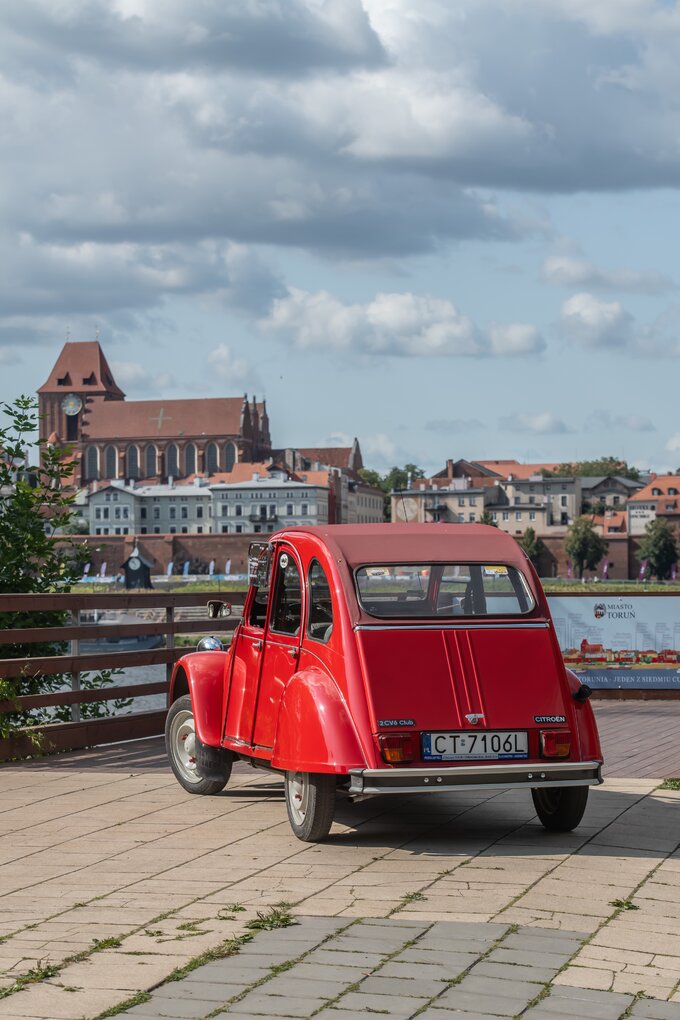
[247, 663]
[282, 643]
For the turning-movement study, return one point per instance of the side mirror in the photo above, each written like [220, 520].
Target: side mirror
[218, 609]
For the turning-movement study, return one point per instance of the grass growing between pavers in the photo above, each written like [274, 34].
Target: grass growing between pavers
[670, 784]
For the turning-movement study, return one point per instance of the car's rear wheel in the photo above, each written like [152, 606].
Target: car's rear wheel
[560, 808]
[180, 744]
[310, 800]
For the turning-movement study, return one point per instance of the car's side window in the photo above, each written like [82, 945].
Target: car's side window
[287, 607]
[320, 616]
[258, 608]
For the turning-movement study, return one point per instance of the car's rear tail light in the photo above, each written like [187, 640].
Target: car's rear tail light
[555, 743]
[398, 748]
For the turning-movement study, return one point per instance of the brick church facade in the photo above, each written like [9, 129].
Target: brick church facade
[155, 440]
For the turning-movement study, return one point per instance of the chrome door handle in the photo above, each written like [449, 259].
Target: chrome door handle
[294, 652]
[257, 645]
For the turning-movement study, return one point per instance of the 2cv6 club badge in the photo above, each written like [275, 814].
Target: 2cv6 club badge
[387, 659]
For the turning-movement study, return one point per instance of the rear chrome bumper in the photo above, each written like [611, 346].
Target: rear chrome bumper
[370, 782]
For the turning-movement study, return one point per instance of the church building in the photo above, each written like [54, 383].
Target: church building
[81, 404]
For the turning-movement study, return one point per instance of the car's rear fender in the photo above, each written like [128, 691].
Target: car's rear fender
[588, 737]
[202, 675]
[315, 732]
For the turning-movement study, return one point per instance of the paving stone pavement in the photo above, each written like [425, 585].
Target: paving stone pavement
[459, 905]
[495, 970]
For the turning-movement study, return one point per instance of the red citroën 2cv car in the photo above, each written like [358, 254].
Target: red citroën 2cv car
[378, 659]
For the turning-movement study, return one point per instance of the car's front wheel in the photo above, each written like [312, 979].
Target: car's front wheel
[310, 800]
[181, 747]
[560, 808]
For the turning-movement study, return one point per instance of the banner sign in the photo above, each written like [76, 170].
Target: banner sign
[624, 641]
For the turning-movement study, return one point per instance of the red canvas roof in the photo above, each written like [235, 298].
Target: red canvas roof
[418, 543]
[81, 367]
[164, 419]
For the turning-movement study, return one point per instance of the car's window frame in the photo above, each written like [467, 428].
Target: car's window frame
[279, 551]
[526, 588]
[313, 637]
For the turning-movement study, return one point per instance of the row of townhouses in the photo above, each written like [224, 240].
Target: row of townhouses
[519, 496]
[269, 499]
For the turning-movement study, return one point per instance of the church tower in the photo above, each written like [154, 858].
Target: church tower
[80, 376]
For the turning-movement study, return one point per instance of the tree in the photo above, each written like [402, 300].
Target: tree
[584, 545]
[594, 468]
[36, 555]
[659, 548]
[486, 518]
[533, 546]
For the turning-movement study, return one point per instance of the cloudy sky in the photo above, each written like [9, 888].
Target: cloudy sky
[446, 226]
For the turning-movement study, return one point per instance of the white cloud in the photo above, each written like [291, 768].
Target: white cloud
[572, 272]
[605, 421]
[673, 444]
[596, 323]
[133, 375]
[542, 424]
[401, 324]
[229, 368]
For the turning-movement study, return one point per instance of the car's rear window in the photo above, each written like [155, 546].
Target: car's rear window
[441, 590]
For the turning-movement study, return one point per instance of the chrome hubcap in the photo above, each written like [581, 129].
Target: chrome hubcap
[183, 742]
[298, 796]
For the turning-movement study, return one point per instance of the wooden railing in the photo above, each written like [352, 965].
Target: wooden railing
[79, 732]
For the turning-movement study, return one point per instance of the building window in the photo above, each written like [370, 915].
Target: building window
[506, 515]
[518, 515]
[150, 459]
[156, 513]
[142, 513]
[105, 512]
[132, 462]
[172, 513]
[473, 501]
[190, 460]
[289, 509]
[532, 515]
[184, 529]
[229, 457]
[184, 512]
[494, 515]
[239, 528]
[156, 530]
[199, 511]
[303, 509]
[239, 510]
[616, 500]
[173, 529]
[92, 463]
[224, 509]
[171, 461]
[199, 530]
[225, 529]
[143, 530]
[563, 500]
[517, 500]
[461, 501]
[471, 517]
[532, 499]
[211, 462]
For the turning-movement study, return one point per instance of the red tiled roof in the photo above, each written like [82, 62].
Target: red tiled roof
[333, 456]
[163, 419]
[81, 367]
[663, 483]
[514, 468]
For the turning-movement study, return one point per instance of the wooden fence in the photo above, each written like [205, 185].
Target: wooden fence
[163, 614]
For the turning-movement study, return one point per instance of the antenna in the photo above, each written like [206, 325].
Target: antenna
[96, 333]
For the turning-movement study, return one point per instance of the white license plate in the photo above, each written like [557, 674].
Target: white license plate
[494, 745]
